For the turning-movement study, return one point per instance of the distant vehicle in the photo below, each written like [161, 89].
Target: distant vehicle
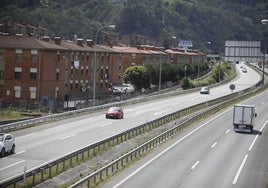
[205, 90]
[7, 144]
[244, 70]
[243, 118]
[114, 112]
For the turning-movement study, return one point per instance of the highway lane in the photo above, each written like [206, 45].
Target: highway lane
[209, 155]
[38, 145]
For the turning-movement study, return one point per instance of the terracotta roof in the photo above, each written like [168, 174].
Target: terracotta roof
[48, 45]
[18, 42]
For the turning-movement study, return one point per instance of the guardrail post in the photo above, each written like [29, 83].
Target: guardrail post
[24, 177]
[33, 180]
[42, 174]
[50, 170]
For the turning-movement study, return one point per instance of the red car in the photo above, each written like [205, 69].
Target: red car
[115, 112]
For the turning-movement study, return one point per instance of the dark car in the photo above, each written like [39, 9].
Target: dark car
[114, 112]
[204, 90]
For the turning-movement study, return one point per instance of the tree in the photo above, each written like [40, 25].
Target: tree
[138, 76]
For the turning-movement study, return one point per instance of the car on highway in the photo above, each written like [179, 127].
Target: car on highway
[244, 70]
[115, 112]
[7, 144]
[205, 90]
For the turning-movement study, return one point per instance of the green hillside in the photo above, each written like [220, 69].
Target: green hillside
[159, 20]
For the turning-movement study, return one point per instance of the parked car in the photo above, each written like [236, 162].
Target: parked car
[204, 90]
[7, 144]
[115, 112]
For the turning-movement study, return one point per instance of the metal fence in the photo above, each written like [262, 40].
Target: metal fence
[39, 174]
[118, 164]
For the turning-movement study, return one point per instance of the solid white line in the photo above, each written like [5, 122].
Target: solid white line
[251, 146]
[263, 126]
[67, 136]
[213, 145]
[196, 163]
[167, 149]
[256, 137]
[12, 165]
[240, 169]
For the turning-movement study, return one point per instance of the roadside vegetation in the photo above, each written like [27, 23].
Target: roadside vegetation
[184, 74]
[11, 114]
[146, 76]
[219, 72]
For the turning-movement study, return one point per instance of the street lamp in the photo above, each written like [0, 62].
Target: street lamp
[95, 61]
[198, 65]
[263, 21]
[160, 74]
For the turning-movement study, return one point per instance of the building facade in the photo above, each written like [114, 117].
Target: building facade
[38, 70]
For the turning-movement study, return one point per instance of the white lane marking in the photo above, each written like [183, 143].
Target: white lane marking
[251, 146]
[67, 136]
[240, 169]
[20, 152]
[263, 126]
[105, 124]
[256, 137]
[168, 148]
[227, 131]
[58, 127]
[68, 124]
[24, 136]
[213, 145]
[196, 163]
[12, 165]
[157, 113]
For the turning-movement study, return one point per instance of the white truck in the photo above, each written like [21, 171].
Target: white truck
[243, 118]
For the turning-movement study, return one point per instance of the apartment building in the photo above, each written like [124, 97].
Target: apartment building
[35, 70]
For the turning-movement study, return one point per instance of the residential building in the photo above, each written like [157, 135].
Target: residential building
[41, 70]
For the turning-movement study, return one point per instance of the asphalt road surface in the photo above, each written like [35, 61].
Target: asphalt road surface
[39, 145]
[209, 155]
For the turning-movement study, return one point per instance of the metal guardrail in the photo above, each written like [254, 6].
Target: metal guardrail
[41, 173]
[116, 165]
[54, 117]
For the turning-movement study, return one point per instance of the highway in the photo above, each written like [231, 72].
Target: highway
[38, 145]
[209, 155]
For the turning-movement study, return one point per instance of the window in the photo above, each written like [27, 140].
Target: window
[18, 72]
[34, 55]
[33, 73]
[1, 74]
[56, 92]
[18, 56]
[82, 70]
[57, 74]
[2, 57]
[17, 90]
[32, 92]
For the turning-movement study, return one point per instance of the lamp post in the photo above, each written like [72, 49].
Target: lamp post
[95, 61]
[160, 74]
[264, 21]
[198, 64]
